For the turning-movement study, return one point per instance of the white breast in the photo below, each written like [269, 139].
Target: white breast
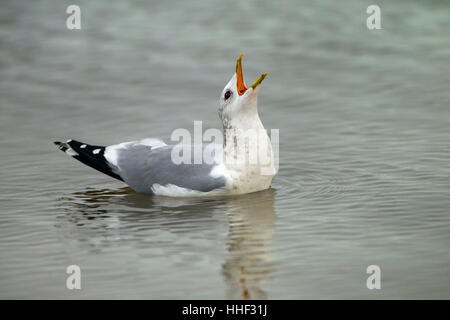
[249, 162]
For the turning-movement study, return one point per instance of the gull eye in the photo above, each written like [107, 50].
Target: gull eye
[227, 94]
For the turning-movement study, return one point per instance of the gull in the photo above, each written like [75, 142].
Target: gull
[243, 163]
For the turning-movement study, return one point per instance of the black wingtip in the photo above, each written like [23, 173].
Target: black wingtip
[90, 155]
[61, 145]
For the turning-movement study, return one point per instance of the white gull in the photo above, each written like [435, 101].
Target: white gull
[243, 164]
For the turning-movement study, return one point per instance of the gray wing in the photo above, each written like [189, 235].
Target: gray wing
[142, 166]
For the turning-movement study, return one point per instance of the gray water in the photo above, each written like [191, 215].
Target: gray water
[364, 149]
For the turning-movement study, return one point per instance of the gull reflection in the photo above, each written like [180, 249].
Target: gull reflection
[97, 218]
[251, 227]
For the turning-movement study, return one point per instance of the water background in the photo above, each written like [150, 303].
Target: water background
[364, 173]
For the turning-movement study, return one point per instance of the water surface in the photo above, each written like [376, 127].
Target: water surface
[364, 149]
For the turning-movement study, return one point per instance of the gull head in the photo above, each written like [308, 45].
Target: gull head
[238, 103]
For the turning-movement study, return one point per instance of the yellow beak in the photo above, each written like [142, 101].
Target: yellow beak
[241, 88]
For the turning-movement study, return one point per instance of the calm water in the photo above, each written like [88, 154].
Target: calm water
[364, 149]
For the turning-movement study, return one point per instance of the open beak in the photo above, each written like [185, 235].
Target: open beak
[241, 88]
